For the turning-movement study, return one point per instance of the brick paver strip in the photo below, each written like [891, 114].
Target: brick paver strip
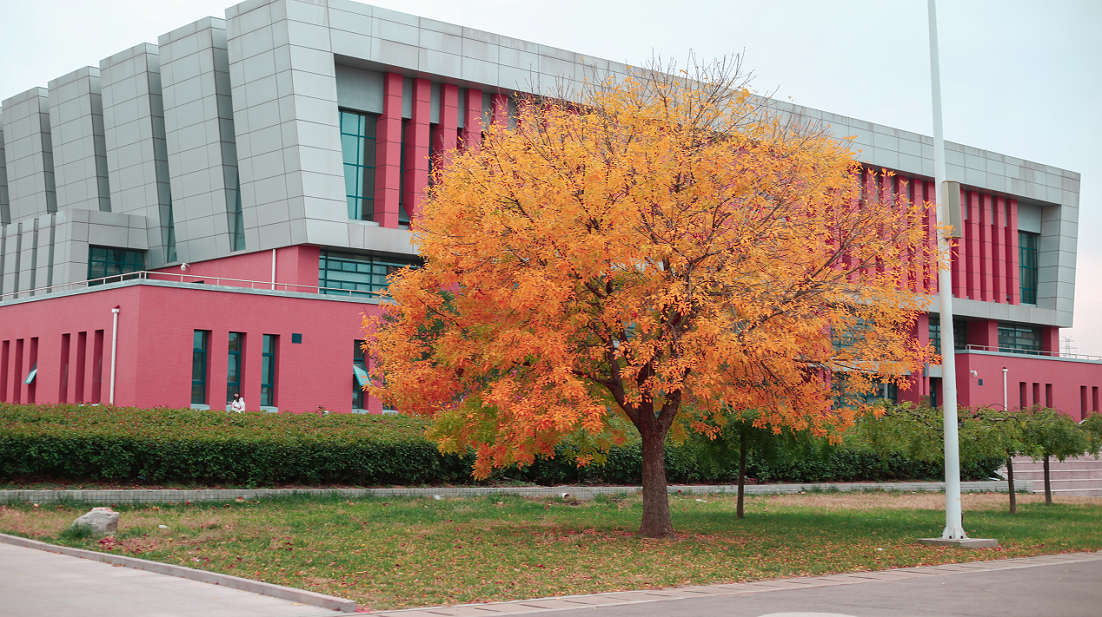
[225, 580]
[129, 496]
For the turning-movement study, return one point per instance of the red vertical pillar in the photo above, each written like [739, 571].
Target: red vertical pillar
[1050, 340]
[998, 249]
[888, 192]
[388, 153]
[960, 277]
[472, 120]
[417, 149]
[931, 271]
[1014, 286]
[972, 236]
[444, 135]
[986, 229]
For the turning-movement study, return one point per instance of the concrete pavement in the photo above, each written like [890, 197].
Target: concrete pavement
[1051, 586]
[36, 582]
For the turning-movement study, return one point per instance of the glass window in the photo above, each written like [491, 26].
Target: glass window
[268, 371]
[960, 333]
[362, 275]
[112, 262]
[359, 376]
[233, 365]
[358, 149]
[199, 367]
[403, 213]
[1028, 244]
[1018, 338]
[237, 220]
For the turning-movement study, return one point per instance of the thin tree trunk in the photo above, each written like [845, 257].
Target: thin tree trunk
[741, 473]
[656, 503]
[1048, 485]
[1010, 484]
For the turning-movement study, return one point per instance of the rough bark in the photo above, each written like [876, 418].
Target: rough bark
[656, 504]
[741, 473]
[1048, 485]
[1010, 484]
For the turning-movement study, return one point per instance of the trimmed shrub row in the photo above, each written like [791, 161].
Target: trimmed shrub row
[203, 447]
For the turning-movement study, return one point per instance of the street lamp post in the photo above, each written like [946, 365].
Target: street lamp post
[944, 200]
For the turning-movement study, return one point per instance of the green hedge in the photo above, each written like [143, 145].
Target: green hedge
[67, 442]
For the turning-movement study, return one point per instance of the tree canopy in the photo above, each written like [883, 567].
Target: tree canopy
[666, 249]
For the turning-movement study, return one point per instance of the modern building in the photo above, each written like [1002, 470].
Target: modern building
[209, 215]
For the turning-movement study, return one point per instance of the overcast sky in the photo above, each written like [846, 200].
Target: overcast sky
[1019, 78]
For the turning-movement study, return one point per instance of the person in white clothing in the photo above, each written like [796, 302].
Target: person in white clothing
[238, 403]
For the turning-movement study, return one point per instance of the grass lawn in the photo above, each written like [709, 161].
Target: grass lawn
[399, 553]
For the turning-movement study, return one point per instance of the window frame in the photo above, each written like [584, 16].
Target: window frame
[1028, 266]
[268, 370]
[201, 355]
[358, 157]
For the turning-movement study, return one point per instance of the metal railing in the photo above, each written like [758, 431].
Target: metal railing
[1031, 352]
[190, 279]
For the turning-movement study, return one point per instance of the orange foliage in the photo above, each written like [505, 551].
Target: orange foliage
[667, 250]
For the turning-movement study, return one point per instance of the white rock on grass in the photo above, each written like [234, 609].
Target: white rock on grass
[102, 521]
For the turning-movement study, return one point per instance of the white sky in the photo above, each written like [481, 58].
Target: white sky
[1018, 77]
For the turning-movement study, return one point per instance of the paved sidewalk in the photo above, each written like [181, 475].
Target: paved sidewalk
[35, 582]
[1052, 585]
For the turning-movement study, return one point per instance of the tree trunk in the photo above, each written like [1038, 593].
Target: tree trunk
[1010, 484]
[1048, 485]
[656, 503]
[741, 473]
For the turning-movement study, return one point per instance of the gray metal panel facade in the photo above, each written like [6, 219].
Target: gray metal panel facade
[199, 131]
[79, 150]
[28, 153]
[137, 157]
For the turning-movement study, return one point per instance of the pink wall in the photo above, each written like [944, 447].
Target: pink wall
[295, 266]
[156, 326]
[1060, 384]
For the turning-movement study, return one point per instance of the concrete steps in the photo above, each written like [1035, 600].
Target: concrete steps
[1080, 476]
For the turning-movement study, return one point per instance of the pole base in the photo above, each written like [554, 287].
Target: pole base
[961, 542]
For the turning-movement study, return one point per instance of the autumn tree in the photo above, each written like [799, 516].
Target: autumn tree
[663, 248]
[1049, 433]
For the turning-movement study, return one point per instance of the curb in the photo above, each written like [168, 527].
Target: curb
[136, 496]
[225, 580]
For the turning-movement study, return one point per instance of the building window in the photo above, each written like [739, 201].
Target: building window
[1019, 339]
[200, 341]
[403, 213]
[233, 364]
[960, 334]
[361, 275]
[358, 148]
[1028, 243]
[359, 376]
[268, 371]
[237, 220]
[107, 262]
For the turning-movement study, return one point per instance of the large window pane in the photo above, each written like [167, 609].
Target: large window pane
[1028, 244]
[199, 367]
[106, 261]
[358, 152]
[361, 274]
